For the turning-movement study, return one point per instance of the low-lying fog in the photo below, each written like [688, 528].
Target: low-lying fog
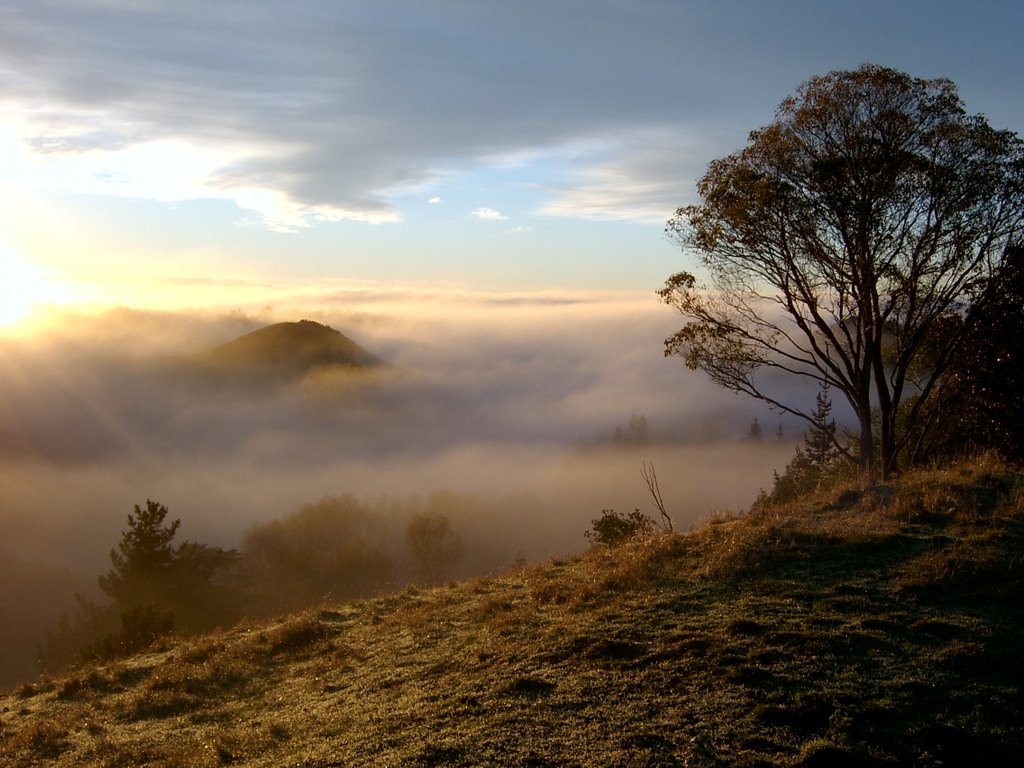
[515, 402]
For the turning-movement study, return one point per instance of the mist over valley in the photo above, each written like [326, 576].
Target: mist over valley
[518, 421]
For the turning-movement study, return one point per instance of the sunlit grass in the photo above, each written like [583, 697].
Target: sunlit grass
[857, 626]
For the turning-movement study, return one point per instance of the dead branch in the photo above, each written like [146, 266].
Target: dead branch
[651, 478]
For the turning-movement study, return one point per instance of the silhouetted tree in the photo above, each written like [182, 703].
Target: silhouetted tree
[203, 591]
[820, 441]
[155, 587]
[144, 559]
[636, 431]
[755, 433]
[868, 211]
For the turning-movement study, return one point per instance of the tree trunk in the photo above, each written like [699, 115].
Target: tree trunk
[887, 458]
[867, 441]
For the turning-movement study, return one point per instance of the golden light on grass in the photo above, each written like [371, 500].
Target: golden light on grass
[859, 625]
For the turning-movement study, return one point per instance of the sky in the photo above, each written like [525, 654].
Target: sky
[247, 154]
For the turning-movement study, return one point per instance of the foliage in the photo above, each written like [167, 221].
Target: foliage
[434, 546]
[335, 547]
[68, 643]
[613, 528]
[144, 558]
[141, 626]
[977, 406]
[188, 582]
[816, 461]
[155, 587]
[871, 210]
[635, 432]
[203, 589]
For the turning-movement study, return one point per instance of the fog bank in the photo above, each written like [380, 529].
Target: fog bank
[515, 401]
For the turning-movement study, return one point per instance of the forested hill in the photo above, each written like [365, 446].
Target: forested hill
[854, 627]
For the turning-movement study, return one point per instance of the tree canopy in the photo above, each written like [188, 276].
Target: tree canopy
[144, 558]
[978, 406]
[184, 581]
[872, 211]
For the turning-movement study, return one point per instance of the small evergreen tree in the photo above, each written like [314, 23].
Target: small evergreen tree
[820, 442]
[144, 558]
[816, 459]
[154, 587]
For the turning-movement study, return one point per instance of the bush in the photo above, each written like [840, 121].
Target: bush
[141, 627]
[614, 527]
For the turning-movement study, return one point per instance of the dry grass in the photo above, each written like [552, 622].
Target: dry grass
[859, 626]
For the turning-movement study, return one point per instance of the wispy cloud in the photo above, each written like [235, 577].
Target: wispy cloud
[639, 175]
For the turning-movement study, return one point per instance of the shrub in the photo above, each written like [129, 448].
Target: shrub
[614, 527]
[141, 627]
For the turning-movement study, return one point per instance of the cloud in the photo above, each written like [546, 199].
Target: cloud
[489, 214]
[640, 175]
[333, 113]
[434, 200]
[517, 230]
[218, 282]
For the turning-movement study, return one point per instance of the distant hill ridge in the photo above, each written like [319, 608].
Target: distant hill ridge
[293, 347]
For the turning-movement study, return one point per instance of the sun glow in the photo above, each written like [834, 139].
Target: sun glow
[24, 291]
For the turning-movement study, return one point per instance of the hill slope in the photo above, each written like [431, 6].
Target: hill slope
[873, 627]
[287, 349]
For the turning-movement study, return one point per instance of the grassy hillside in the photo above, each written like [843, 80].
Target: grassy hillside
[854, 628]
